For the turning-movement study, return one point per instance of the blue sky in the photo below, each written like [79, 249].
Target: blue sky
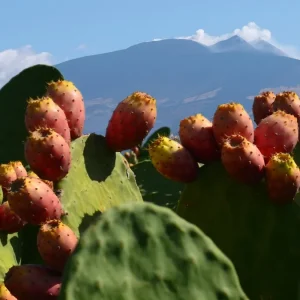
[59, 30]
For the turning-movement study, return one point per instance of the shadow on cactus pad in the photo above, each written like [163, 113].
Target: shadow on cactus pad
[143, 251]
[31, 82]
[154, 187]
[261, 239]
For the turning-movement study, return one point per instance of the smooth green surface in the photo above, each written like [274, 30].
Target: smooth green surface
[146, 252]
[261, 239]
[154, 187]
[31, 82]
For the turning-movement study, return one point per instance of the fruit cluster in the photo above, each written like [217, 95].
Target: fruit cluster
[248, 154]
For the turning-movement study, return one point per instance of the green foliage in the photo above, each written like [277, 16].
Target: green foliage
[156, 188]
[143, 251]
[13, 98]
[260, 238]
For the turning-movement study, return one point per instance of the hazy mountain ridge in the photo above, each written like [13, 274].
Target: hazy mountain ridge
[184, 76]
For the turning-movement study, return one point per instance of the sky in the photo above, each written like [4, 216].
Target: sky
[49, 32]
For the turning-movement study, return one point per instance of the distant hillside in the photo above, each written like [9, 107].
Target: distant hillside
[185, 77]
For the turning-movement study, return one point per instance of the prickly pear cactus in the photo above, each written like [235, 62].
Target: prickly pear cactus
[144, 154]
[98, 179]
[260, 238]
[31, 82]
[156, 188]
[143, 251]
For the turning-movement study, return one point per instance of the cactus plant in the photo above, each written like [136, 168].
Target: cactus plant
[30, 83]
[260, 238]
[143, 251]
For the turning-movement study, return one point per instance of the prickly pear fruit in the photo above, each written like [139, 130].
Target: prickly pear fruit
[131, 121]
[7, 175]
[50, 183]
[263, 105]
[19, 168]
[48, 154]
[67, 96]
[172, 160]
[242, 160]
[136, 150]
[196, 134]
[231, 118]
[56, 242]
[33, 282]
[44, 112]
[283, 178]
[10, 222]
[289, 102]
[33, 200]
[5, 293]
[276, 133]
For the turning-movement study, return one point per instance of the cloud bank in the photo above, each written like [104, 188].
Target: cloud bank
[13, 61]
[249, 33]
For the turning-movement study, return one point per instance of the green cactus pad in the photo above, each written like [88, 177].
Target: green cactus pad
[261, 239]
[31, 82]
[98, 179]
[10, 252]
[154, 187]
[146, 252]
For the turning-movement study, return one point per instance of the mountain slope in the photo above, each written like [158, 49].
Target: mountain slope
[185, 77]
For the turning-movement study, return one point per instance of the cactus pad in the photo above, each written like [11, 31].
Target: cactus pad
[260, 238]
[98, 179]
[143, 251]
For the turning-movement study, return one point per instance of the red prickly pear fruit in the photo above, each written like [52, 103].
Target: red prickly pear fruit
[7, 175]
[67, 96]
[263, 105]
[10, 222]
[56, 242]
[196, 134]
[44, 112]
[282, 178]
[19, 168]
[231, 118]
[276, 133]
[33, 282]
[136, 150]
[5, 293]
[288, 102]
[50, 183]
[131, 121]
[48, 154]
[242, 160]
[172, 160]
[33, 200]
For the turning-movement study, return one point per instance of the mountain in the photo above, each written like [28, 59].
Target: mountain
[267, 47]
[184, 76]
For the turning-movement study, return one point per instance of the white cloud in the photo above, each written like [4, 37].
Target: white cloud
[81, 47]
[249, 32]
[13, 61]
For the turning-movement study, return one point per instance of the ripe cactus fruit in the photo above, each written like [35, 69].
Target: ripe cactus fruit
[196, 134]
[67, 96]
[48, 154]
[242, 160]
[56, 242]
[276, 133]
[263, 105]
[34, 201]
[44, 112]
[131, 121]
[289, 102]
[10, 222]
[283, 178]
[5, 293]
[231, 118]
[19, 168]
[7, 175]
[172, 160]
[50, 183]
[28, 282]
